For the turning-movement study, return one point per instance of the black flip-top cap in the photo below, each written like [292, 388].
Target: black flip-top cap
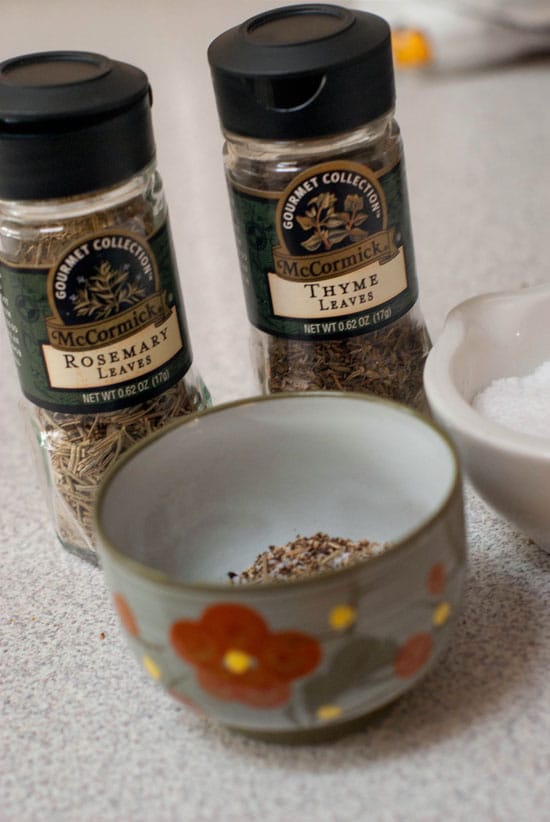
[70, 123]
[303, 71]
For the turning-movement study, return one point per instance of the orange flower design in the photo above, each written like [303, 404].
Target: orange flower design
[436, 579]
[237, 657]
[413, 655]
[126, 615]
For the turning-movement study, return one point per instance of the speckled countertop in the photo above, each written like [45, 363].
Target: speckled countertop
[84, 734]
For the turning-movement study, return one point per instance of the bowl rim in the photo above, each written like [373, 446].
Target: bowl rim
[447, 401]
[400, 546]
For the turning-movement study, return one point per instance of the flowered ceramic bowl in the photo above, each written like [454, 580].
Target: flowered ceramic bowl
[486, 338]
[299, 659]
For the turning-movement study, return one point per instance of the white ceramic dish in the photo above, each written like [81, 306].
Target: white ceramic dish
[488, 337]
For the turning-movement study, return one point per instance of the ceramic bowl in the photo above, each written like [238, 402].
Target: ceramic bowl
[305, 658]
[488, 337]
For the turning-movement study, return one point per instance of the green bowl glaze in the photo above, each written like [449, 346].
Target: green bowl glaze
[299, 659]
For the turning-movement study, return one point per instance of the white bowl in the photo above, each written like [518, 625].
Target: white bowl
[488, 337]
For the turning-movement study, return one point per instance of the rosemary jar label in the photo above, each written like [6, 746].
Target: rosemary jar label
[102, 328]
[331, 256]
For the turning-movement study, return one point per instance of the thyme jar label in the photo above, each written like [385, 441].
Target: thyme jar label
[101, 329]
[329, 257]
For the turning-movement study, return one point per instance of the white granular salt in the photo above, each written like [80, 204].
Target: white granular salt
[519, 403]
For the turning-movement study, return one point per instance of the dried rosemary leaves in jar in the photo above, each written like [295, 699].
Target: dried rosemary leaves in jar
[313, 158]
[87, 272]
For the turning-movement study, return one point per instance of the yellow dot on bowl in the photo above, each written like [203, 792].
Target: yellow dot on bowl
[238, 662]
[342, 617]
[328, 712]
[151, 667]
[441, 614]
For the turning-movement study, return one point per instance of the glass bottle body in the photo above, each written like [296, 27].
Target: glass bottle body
[354, 332]
[101, 337]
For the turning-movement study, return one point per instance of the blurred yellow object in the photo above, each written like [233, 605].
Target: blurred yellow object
[411, 48]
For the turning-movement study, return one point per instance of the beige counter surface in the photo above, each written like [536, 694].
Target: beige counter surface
[84, 734]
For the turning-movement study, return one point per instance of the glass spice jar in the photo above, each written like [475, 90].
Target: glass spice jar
[315, 171]
[88, 276]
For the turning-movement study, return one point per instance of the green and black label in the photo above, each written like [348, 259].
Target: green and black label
[101, 329]
[329, 257]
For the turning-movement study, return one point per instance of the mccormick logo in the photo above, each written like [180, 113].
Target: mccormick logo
[336, 254]
[110, 322]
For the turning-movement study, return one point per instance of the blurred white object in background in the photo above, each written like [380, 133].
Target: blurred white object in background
[464, 34]
[523, 14]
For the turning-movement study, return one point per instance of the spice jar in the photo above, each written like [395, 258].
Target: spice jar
[315, 172]
[87, 272]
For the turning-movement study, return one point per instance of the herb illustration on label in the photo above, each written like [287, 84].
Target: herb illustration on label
[111, 329]
[321, 220]
[110, 321]
[337, 260]
[336, 256]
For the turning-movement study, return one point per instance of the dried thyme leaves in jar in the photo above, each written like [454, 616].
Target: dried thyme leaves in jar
[88, 276]
[388, 362]
[315, 172]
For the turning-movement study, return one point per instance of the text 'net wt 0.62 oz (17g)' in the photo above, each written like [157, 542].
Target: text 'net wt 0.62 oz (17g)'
[88, 276]
[316, 178]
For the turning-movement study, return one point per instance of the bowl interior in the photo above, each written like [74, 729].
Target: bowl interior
[209, 494]
[501, 335]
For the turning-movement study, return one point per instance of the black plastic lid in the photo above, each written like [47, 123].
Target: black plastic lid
[303, 71]
[70, 123]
